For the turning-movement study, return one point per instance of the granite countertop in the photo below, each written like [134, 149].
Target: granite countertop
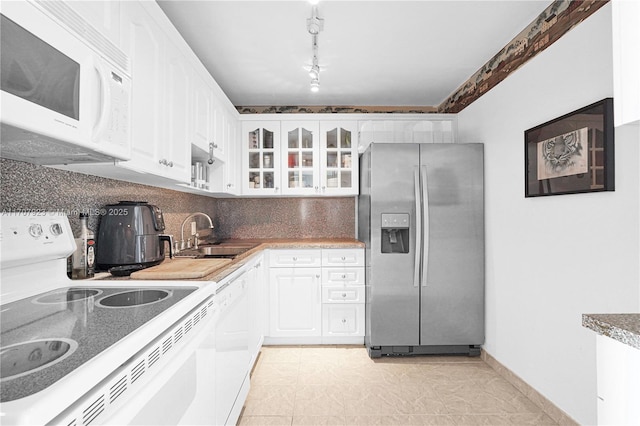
[624, 328]
[279, 243]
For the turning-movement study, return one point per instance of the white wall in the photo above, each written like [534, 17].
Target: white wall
[551, 259]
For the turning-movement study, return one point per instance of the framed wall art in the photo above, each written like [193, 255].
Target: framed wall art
[571, 154]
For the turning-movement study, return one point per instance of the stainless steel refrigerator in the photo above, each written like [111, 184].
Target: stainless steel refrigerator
[421, 217]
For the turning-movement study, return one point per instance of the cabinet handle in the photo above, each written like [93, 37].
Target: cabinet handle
[343, 258]
[211, 147]
[295, 259]
[344, 321]
[344, 295]
[344, 276]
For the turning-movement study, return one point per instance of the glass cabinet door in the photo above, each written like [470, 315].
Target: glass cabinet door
[300, 151]
[261, 173]
[339, 157]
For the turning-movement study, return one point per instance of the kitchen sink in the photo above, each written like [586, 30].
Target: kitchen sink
[221, 251]
[217, 250]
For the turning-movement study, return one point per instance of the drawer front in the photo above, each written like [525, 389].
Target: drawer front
[289, 258]
[343, 320]
[343, 257]
[343, 294]
[342, 276]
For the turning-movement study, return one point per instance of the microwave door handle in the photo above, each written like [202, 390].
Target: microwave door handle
[105, 101]
[418, 235]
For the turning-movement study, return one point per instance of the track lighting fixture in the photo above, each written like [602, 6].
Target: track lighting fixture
[315, 24]
[315, 85]
[314, 72]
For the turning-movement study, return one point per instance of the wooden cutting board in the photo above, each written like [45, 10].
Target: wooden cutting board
[176, 269]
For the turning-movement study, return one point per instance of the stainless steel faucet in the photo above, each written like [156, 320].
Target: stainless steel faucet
[187, 244]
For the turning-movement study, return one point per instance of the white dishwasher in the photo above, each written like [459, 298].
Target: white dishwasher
[232, 349]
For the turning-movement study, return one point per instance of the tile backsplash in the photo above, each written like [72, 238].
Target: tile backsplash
[29, 187]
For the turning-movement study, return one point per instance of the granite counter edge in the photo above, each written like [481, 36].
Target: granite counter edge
[624, 328]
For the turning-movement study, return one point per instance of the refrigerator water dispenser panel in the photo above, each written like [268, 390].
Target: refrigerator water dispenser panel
[395, 233]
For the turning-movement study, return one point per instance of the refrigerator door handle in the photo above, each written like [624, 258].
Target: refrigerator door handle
[424, 183]
[418, 235]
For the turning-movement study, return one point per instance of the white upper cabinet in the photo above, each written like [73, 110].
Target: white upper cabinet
[160, 79]
[178, 116]
[434, 128]
[300, 151]
[213, 139]
[224, 174]
[299, 158]
[260, 148]
[143, 41]
[626, 61]
[202, 98]
[222, 121]
[338, 158]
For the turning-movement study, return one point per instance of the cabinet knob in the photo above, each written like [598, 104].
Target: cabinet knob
[344, 320]
[344, 294]
[344, 276]
[343, 258]
[295, 259]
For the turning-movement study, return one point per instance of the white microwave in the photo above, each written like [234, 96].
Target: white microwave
[64, 97]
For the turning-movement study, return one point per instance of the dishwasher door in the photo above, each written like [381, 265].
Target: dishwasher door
[232, 350]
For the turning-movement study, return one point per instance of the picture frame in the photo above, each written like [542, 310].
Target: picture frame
[571, 154]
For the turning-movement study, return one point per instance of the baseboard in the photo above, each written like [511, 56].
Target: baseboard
[549, 408]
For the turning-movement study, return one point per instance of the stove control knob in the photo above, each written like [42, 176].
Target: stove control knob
[56, 229]
[35, 229]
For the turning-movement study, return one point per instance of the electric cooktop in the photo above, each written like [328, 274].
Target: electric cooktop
[47, 336]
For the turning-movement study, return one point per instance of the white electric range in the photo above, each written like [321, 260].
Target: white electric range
[91, 351]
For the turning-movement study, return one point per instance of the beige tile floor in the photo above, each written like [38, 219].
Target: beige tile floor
[341, 385]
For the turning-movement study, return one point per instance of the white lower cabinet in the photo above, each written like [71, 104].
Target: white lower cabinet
[295, 309]
[618, 370]
[343, 296]
[343, 320]
[316, 296]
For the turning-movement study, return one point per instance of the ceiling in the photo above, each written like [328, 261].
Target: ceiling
[371, 53]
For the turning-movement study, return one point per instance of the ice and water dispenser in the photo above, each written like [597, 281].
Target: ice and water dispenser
[395, 233]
